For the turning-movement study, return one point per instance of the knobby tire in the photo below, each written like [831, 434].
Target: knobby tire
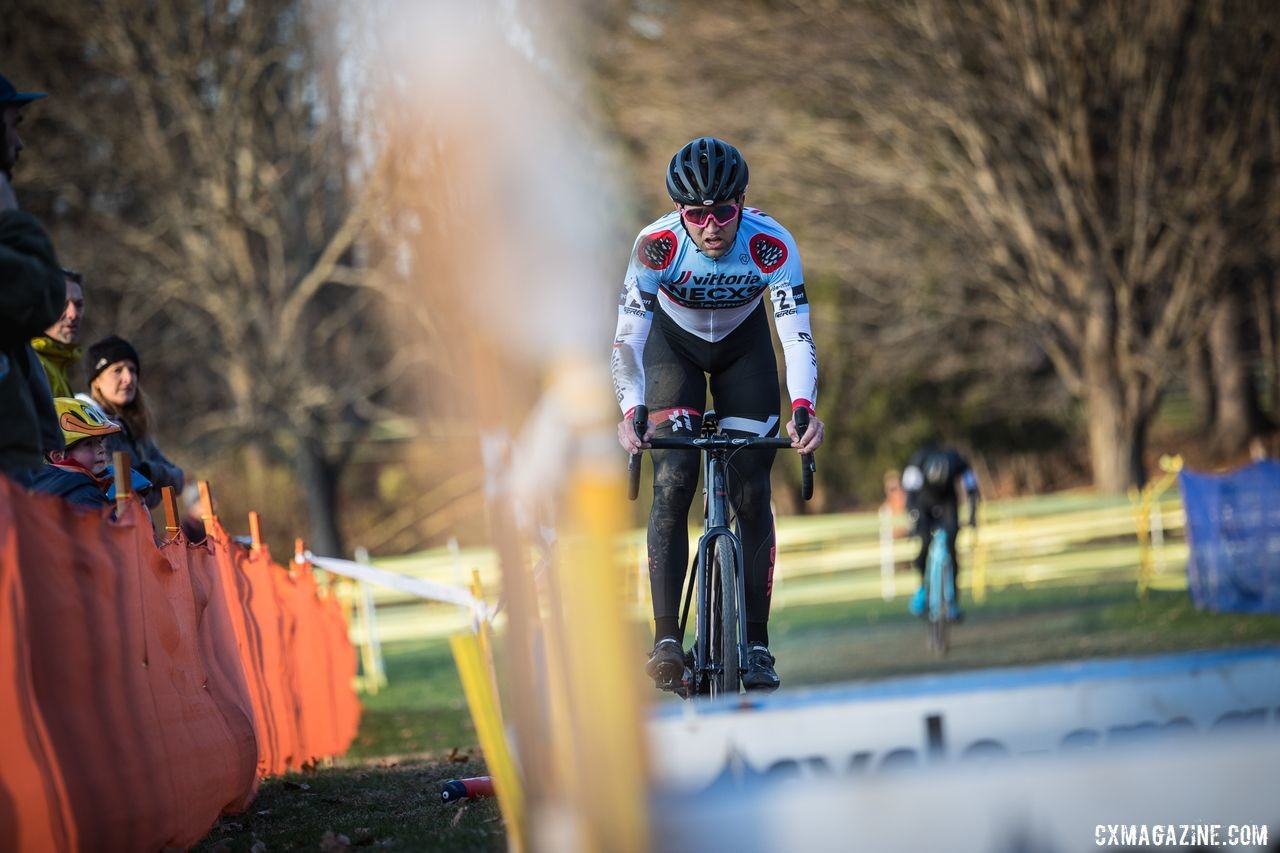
[939, 628]
[725, 678]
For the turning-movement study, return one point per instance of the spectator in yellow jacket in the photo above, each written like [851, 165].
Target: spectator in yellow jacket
[58, 348]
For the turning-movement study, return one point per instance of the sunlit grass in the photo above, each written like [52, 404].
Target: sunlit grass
[1015, 626]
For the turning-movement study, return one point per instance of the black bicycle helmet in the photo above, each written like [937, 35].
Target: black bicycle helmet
[705, 171]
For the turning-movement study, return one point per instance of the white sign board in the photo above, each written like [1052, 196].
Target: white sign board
[862, 729]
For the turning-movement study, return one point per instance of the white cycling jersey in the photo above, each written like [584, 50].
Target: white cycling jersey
[710, 297]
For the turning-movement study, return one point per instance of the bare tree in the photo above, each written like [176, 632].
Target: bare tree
[206, 161]
[909, 345]
[1102, 160]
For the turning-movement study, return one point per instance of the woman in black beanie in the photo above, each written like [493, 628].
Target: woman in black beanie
[115, 384]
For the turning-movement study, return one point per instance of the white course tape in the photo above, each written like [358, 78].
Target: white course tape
[426, 589]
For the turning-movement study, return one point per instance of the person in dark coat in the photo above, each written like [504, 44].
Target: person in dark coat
[32, 297]
[32, 294]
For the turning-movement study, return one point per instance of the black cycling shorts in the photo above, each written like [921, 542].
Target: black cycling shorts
[743, 377]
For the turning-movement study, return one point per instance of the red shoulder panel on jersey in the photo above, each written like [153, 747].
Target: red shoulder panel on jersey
[657, 250]
[769, 253]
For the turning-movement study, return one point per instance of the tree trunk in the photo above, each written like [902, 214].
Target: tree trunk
[1117, 441]
[1117, 429]
[256, 461]
[246, 391]
[1237, 413]
[1268, 340]
[1200, 385]
[318, 478]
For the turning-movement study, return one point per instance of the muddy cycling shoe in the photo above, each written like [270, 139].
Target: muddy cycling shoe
[666, 662]
[917, 603]
[760, 674]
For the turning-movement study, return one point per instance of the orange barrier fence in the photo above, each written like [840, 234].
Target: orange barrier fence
[144, 690]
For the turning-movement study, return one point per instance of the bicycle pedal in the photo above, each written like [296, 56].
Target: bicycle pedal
[673, 684]
[682, 687]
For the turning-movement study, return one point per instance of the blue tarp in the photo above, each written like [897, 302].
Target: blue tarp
[1233, 531]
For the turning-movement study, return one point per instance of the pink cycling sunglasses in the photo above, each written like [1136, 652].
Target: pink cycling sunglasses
[723, 214]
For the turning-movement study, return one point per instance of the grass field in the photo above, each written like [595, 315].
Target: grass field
[416, 733]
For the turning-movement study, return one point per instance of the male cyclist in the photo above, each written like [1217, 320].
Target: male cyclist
[692, 307]
[932, 502]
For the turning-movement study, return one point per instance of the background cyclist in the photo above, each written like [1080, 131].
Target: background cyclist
[930, 480]
[692, 308]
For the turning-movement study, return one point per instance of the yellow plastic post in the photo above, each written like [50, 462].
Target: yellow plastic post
[487, 716]
[555, 695]
[1151, 492]
[375, 671]
[483, 629]
[1142, 518]
[371, 680]
[348, 593]
[605, 709]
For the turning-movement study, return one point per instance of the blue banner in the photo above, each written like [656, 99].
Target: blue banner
[1233, 532]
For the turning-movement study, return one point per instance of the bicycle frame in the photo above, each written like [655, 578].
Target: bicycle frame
[716, 526]
[717, 449]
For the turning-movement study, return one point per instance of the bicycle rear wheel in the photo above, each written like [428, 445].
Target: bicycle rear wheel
[725, 675]
[939, 627]
[939, 634]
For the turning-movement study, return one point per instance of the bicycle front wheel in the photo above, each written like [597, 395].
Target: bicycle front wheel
[725, 676]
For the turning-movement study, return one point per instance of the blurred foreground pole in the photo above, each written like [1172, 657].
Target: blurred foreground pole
[504, 198]
[590, 631]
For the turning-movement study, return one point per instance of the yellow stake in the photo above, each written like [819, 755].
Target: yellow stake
[487, 716]
[1151, 492]
[484, 630]
[605, 700]
[368, 658]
